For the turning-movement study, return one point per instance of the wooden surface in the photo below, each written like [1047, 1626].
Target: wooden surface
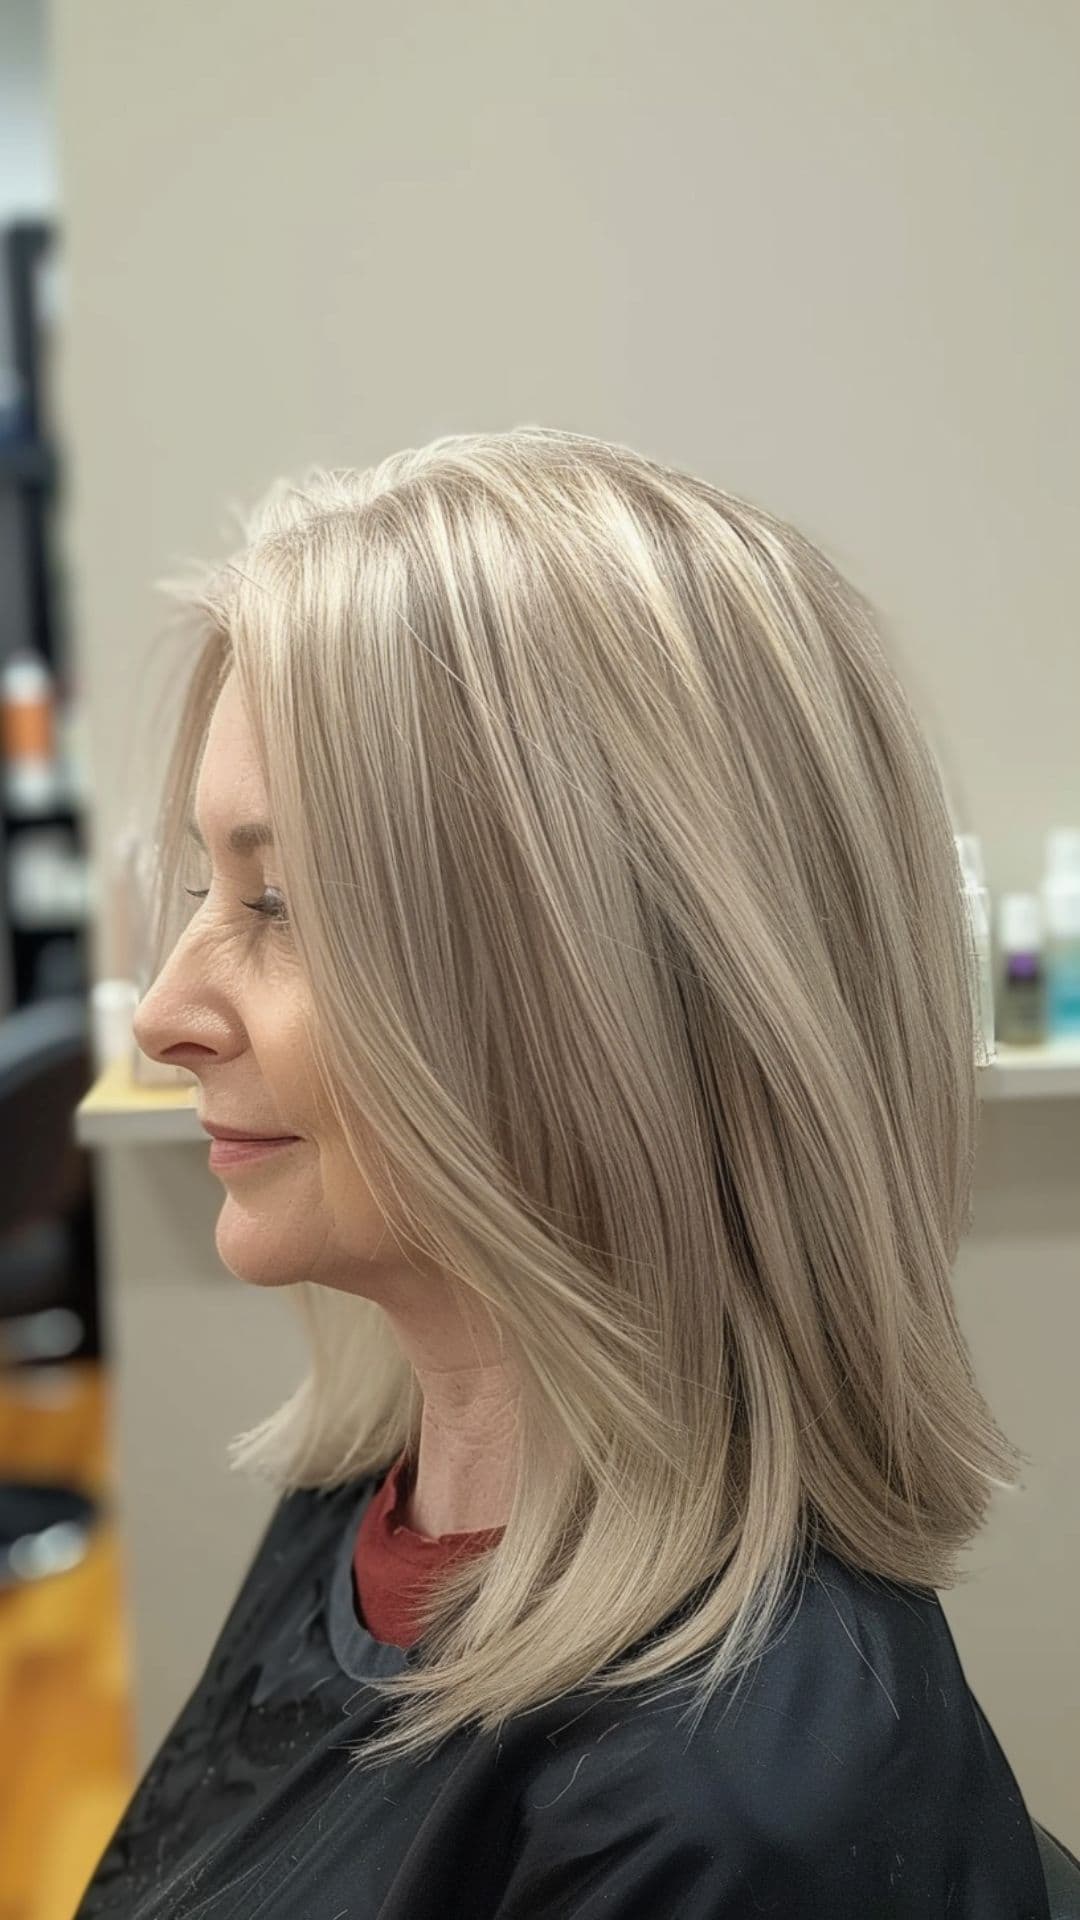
[66, 1749]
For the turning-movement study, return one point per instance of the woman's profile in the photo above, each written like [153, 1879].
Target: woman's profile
[556, 879]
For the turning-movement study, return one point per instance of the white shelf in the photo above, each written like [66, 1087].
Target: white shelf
[117, 1111]
[1047, 1072]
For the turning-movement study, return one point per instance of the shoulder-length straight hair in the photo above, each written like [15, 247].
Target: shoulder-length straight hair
[624, 881]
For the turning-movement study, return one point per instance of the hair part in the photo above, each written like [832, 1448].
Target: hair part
[625, 884]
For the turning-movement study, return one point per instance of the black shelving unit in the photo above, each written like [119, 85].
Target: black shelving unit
[53, 957]
[30, 479]
[27, 250]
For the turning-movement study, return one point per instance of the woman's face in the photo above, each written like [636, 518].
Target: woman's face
[231, 1005]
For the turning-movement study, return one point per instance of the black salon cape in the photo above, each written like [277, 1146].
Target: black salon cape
[854, 1777]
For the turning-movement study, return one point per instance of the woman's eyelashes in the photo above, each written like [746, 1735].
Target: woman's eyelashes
[270, 905]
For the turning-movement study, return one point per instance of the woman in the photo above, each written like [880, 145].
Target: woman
[579, 918]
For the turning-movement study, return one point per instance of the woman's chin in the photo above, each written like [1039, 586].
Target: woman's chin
[258, 1251]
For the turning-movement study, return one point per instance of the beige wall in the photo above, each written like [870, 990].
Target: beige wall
[817, 252]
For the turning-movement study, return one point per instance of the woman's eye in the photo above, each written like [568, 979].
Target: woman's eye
[271, 905]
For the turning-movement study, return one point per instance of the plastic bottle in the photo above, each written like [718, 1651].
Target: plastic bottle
[112, 1008]
[1021, 999]
[1061, 904]
[28, 732]
[977, 897]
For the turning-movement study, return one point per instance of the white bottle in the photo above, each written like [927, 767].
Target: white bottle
[977, 898]
[112, 1010]
[1061, 902]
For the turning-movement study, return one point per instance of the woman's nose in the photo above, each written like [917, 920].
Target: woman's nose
[182, 1023]
[163, 1034]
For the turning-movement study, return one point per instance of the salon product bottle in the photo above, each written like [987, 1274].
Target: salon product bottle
[28, 732]
[1061, 903]
[977, 901]
[1021, 998]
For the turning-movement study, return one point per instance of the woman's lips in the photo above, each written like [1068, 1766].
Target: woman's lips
[234, 1153]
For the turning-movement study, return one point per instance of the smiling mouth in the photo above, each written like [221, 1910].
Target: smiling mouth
[230, 1153]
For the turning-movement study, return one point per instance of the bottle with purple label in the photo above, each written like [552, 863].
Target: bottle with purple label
[1061, 903]
[1021, 996]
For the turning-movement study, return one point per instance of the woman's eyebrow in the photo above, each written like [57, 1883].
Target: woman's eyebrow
[241, 839]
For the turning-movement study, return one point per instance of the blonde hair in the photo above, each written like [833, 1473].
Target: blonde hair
[625, 885]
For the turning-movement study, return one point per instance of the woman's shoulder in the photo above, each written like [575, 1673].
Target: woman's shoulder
[855, 1670]
[860, 1650]
[850, 1762]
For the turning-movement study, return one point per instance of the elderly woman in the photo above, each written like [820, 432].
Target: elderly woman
[580, 997]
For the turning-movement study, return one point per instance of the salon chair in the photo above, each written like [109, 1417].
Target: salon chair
[45, 1068]
[1061, 1870]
